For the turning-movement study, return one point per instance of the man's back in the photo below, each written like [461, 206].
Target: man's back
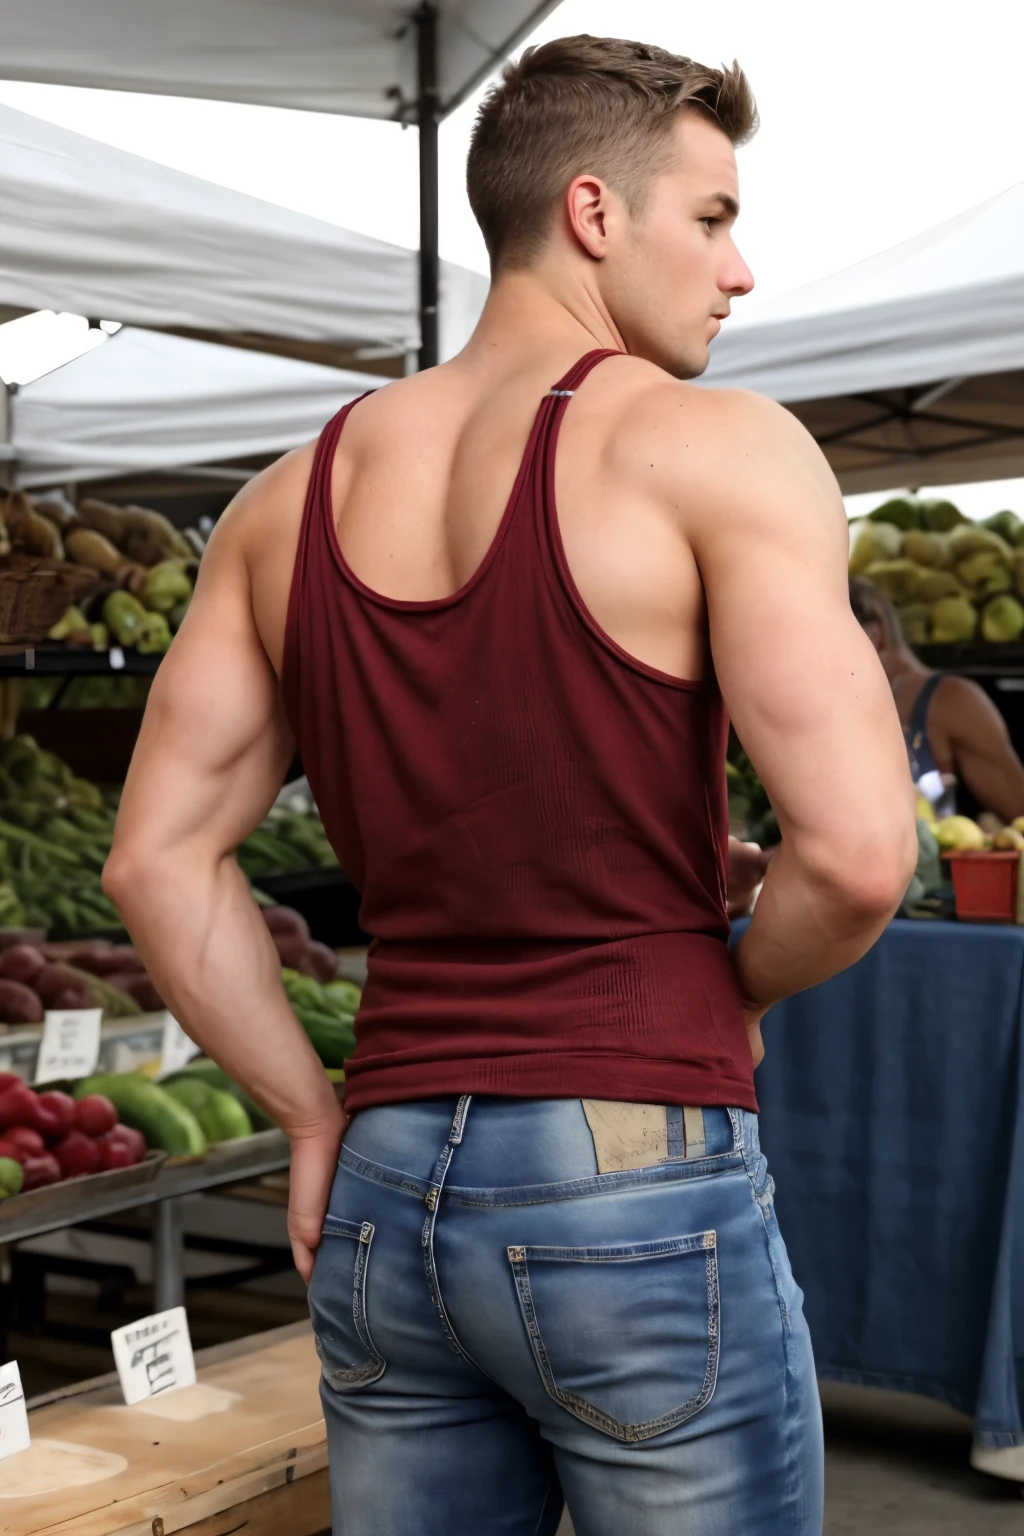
[425, 467]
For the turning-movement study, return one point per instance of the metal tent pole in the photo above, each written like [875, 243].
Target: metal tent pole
[426, 118]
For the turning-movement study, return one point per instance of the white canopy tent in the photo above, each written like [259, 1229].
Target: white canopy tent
[908, 367]
[357, 57]
[147, 401]
[93, 230]
[412, 60]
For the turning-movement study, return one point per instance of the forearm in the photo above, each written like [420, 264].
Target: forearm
[211, 957]
[805, 928]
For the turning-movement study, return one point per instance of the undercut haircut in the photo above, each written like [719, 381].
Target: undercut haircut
[579, 105]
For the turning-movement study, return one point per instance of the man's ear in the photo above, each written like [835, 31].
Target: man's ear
[586, 207]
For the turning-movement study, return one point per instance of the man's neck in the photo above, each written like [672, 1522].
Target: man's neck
[546, 310]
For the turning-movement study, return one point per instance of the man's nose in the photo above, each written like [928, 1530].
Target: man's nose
[737, 279]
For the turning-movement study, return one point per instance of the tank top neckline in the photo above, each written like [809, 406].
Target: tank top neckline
[556, 398]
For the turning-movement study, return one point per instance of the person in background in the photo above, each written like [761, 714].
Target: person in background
[956, 738]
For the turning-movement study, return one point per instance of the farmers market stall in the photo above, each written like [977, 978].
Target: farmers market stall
[247, 1430]
[94, 230]
[147, 401]
[892, 1117]
[908, 368]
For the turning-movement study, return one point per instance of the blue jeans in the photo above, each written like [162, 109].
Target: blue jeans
[501, 1326]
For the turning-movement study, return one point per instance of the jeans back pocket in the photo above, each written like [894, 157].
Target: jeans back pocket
[337, 1304]
[624, 1337]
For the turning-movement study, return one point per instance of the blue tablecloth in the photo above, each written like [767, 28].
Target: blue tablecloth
[892, 1113]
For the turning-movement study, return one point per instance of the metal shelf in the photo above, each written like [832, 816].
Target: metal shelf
[66, 661]
[225, 1163]
[972, 660]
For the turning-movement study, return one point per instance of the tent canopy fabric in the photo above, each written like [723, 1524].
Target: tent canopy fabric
[99, 232]
[147, 401]
[351, 56]
[907, 365]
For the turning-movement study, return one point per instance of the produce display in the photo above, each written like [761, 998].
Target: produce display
[55, 834]
[287, 841]
[131, 569]
[750, 812]
[950, 580]
[959, 833]
[56, 831]
[49, 1136]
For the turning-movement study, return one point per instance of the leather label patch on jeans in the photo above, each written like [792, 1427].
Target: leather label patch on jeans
[639, 1135]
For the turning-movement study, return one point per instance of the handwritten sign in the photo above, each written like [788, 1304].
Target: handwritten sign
[70, 1046]
[154, 1355]
[176, 1049]
[14, 1434]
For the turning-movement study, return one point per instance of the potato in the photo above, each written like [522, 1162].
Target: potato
[19, 1004]
[20, 963]
[54, 981]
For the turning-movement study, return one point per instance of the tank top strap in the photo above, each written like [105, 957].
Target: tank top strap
[318, 493]
[918, 724]
[570, 382]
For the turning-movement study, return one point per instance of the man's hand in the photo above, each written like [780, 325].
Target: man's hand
[314, 1163]
[747, 867]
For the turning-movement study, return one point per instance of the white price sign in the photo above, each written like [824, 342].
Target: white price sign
[154, 1355]
[14, 1434]
[70, 1046]
[176, 1049]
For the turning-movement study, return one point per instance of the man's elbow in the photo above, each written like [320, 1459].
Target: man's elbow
[867, 881]
[125, 877]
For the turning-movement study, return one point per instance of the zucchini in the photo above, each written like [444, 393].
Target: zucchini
[202, 1069]
[220, 1115]
[163, 1121]
[332, 1037]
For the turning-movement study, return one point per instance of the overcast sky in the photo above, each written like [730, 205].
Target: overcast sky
[878, 120]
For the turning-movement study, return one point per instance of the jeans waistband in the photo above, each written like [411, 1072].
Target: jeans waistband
[523, 1151]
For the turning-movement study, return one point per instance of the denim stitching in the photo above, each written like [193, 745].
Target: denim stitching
[762, 1195]
[596, 1184]
[657, 1248]
[373, 1369]
[433, 1197]
[382, 1174]
[587, 1412]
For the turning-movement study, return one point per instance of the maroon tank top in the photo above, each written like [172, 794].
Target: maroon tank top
[536, 822]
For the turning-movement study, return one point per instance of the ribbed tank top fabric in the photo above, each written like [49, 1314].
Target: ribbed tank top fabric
[536, 822]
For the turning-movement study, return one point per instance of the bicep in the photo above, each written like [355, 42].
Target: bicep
[802, 683]
[214, 745]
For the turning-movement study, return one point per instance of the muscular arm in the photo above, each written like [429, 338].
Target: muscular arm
[983, 755]
[804, 690]
[211, 757]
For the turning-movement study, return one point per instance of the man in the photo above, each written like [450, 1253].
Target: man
[498, 607]
[955, 735]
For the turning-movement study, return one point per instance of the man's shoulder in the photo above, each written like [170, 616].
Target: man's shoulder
[271, 503]
[685, 416]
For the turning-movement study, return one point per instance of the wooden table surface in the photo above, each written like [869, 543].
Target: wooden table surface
[243, 1440]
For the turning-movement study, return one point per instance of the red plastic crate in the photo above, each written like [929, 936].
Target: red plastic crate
[988, 885]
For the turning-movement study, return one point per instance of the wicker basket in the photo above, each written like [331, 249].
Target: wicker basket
[35, 593]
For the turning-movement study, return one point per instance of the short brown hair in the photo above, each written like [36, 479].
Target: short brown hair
[580, 104]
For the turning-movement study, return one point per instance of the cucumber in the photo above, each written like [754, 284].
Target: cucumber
[220, 1115]
[208, 1072]
[164, 1121]
[333, 1037]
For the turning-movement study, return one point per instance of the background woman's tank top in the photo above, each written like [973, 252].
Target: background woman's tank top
[536, 822]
